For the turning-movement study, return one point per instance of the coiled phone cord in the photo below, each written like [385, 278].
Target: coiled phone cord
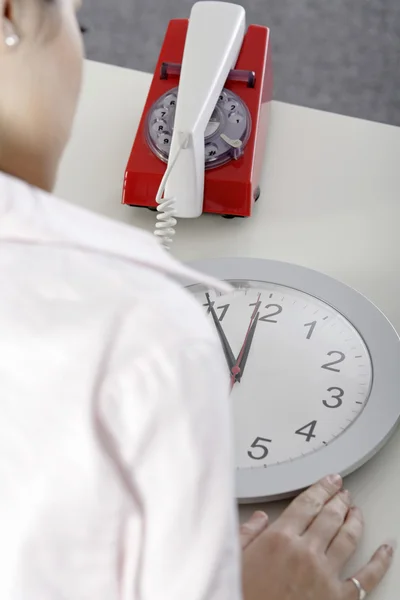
[166, 221]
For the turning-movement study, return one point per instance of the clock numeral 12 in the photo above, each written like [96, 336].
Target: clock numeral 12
[261, 446]
[308, 431]
[277, 309]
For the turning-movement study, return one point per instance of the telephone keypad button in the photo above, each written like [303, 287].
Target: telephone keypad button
[236, 117]
[211, 150]
[159, 126]
[165, 139]
[231, 105]
[161, 113]
[170, 101]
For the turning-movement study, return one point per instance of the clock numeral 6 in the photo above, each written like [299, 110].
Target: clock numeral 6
[308, 431]
[262, 447]
[338, 396]
[330, 366]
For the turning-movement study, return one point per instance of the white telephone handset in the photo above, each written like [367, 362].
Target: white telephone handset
[214, 40]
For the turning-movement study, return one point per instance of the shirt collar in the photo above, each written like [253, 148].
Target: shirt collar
[32, 215]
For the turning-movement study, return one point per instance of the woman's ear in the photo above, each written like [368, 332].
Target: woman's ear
[9, 37]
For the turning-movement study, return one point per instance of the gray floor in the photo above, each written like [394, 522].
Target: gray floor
[337, 55]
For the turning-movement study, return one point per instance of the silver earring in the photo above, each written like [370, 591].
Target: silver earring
[11, 38]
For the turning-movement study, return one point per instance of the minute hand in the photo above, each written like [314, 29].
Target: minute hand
[246, 349]
[230, 357]
[236, 371]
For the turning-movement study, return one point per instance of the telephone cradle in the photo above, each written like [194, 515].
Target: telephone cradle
[235, 138]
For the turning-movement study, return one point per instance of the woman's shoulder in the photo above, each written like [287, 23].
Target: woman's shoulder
[34, 216]
[109, 266]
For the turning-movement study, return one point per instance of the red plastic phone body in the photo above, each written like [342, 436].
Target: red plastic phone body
[230, 189]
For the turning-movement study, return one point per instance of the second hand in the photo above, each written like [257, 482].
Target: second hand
[236, 369]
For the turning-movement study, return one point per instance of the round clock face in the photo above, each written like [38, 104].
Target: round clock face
[312, 364]
[302, 374]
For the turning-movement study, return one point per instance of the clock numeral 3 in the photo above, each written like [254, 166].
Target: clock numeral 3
[338, 396]
[277, 309]
[264, 451]
[330, 366]
[308, 431]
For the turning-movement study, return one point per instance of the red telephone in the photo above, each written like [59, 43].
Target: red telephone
[235, 135]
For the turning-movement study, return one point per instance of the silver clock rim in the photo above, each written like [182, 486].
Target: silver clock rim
[378, 420]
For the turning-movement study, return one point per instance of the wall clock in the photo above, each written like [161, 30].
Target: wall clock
[314, 369]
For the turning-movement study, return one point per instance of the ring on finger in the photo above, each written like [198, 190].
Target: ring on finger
[361, 592]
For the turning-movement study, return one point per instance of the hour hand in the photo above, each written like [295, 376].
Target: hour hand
[230, 358]
[246, 349]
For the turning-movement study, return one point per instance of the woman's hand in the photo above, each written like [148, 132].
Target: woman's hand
[250, 530]
[302, 555]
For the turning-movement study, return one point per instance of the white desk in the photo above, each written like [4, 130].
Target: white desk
[331, 203]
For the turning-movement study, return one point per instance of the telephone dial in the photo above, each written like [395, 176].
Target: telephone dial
[201, 140]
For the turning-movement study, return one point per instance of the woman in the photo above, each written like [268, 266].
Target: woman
[115, 454]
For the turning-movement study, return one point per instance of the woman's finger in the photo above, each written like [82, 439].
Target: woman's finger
[250, 530]
[347, 540]
[329, 522]
[370, 575]
[302, 512]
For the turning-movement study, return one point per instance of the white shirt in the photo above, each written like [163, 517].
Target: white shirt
[116, 472]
